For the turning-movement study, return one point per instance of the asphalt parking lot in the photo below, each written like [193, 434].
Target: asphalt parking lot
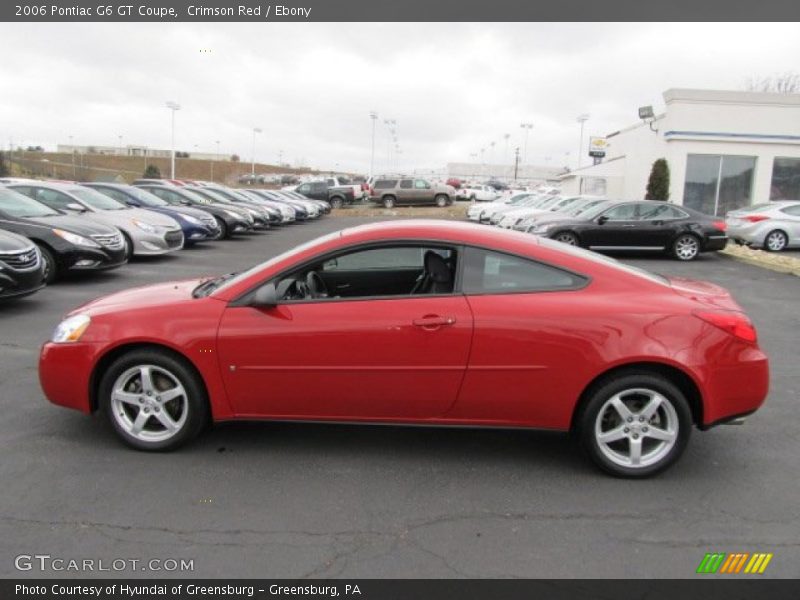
[292, 500]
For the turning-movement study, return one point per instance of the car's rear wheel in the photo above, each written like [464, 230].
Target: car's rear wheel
[388, 201]
[50, 265]
[566, 237]
[223, 229]
[336, 202]
[775, 241]
[442, 200]
[635, 425]
[686, 247]
[153, 400]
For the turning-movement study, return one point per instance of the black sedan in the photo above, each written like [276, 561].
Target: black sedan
[21, 266]
[229, 218]
[643, 225]
[66, 243]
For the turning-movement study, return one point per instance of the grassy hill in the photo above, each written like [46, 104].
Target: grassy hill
[90, 167]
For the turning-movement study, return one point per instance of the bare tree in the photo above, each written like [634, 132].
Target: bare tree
[780, 83]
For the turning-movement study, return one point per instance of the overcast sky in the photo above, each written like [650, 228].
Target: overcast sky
[452, 88]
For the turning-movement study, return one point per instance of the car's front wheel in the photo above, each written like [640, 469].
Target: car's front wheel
[153, 400]
[635, 425]
[224, 234]
[336, 202]
[50, 266]
[566, 237]
[775, 241]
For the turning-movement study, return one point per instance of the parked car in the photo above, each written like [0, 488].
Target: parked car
[494, 210]
[197, 226]
[323, 205]
[65, 242]
[336, 196]
[645, 225]
[477, 193]
[406, 192]
[230, 219]
[21, 266]
[477, 212]
[773, 226]
[509, 219]
[301, 207]
[261, 216]
[627, 360]
[497, 185]
[578, 208]
[286, 212]
[145, 233]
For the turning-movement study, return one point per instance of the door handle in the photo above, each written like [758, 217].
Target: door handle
[629, 225]
[433, 321]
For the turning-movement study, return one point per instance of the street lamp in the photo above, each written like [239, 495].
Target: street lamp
[374, 116]
[527, 127]
[174, 107]
[253, 155]
[581, 119]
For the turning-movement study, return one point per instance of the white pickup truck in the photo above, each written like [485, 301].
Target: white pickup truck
[479, 193]
[335, 181]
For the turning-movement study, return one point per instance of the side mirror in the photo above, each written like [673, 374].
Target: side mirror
[265, 297]
[75, 206]
[602, 220]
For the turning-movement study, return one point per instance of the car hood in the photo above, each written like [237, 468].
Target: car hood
[138, 298]
[80, 225]
[11, 242]
[152, 217]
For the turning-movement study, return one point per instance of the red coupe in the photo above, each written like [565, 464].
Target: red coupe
[423, 322]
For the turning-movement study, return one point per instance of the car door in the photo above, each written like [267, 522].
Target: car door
[379, 358]
[423, 192]
[791, 217]
[406, 194]
[657, 225]
[528, 350]
[614, 228]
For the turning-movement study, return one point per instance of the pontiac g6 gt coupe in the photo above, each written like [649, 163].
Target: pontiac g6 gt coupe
[422, 322]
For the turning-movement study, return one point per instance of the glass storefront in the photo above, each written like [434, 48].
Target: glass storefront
[716, 184]
[785, 179]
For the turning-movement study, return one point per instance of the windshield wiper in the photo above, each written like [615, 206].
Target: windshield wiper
[208, 286]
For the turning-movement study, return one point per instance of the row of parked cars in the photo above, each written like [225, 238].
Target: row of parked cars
[49, 228]
[602, 224]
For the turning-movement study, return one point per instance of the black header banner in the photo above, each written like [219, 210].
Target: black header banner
[255, 11]
[399, 589]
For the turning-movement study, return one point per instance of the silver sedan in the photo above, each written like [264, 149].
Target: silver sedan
[773, 226]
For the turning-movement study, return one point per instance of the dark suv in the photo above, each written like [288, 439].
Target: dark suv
[391, 192]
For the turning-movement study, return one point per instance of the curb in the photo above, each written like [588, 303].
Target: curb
[765, 263]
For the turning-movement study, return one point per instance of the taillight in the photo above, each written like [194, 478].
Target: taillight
[755, 218]
[721, 225]
[735, 323]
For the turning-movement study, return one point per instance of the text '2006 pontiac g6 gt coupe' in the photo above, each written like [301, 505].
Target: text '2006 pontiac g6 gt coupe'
[419, 322]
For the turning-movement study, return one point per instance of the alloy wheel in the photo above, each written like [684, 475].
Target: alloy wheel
[567, 238]
[636, 428]
[149, 403]
[775, 241]
[686, 247]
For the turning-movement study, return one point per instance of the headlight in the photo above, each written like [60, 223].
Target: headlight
[146, 227]
[70, 329]
[192, 220]
[541, 228]
[74, 238]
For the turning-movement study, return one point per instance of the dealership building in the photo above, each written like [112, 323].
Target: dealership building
[724, 149]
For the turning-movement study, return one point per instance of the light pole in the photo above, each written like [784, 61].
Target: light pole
[253, 155]
[374, 116]
[391, 124]
[174, 107]
[527, 127]
[72, 151]
[216, 158]
[505, 150]
[581, 119]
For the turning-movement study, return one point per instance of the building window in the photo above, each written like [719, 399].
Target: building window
[593, 186]
[717, 184]
[785, 179]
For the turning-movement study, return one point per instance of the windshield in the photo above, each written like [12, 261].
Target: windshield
[145, 197]
[17, 205]
[583, 207]
[591, 213]
[96, 200]
[211, 196]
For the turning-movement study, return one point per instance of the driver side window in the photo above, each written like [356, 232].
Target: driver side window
[387, 271]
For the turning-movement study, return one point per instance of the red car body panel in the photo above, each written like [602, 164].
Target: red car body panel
[517, 359]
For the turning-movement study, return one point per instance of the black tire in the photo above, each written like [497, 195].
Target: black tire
[224, 234]
[128, 246]
[196, 399]
[336, 202]
[775, 241]
[51, 270]
[442, 200]
[598, 399]
[567, 237]
[686, 247]
[388, 201]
